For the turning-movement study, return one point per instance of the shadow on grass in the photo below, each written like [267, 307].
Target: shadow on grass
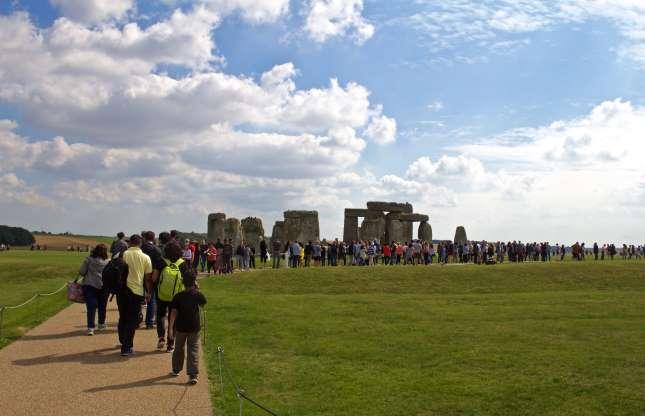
[154, 381]
[101, 356]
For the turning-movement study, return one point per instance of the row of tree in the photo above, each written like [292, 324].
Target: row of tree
[15, 236]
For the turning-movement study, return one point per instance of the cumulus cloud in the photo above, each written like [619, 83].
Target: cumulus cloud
[15, 190]
[102, 83]
[608, 137]
[381, 130]
[331, 18]
[93, 11]
[459, 167]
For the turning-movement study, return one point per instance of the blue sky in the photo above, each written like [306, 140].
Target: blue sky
[450, 105]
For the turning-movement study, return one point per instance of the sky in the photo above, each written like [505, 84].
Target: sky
[518, 119]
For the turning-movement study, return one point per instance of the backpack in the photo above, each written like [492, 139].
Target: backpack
[115, 275]
[170, 281]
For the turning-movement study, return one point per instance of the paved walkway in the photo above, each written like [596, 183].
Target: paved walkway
[56, 369]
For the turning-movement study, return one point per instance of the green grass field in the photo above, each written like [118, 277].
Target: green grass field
[530, 339]
[25, 273]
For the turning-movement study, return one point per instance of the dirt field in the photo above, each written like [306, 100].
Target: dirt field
[62, 242]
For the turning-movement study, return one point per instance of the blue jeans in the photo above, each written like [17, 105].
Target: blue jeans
[95, 299]
[151, 311]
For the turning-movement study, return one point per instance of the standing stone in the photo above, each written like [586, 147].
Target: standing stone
[233, 230]
[425, 232]
[252, 231]
[460, 235]
[350, 228]
[394, 230]
[373, 227]
[278, 232]
[302, 226]
[216, 225]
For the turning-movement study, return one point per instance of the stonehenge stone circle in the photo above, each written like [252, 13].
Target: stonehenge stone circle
[382, 221]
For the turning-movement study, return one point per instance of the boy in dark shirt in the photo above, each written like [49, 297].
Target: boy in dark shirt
[184, 316]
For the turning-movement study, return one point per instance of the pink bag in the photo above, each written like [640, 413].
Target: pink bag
[75, 292]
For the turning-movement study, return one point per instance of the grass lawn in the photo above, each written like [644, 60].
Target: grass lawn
[25, 273]
[529, 339]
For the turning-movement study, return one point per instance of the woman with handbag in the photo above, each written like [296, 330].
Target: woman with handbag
[95, 296]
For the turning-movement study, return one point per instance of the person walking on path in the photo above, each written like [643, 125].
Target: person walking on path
[130, 297]
[170, 283]
[95, 296]
[184, 316]
[154, 252]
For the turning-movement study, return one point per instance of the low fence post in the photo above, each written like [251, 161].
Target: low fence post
[1, 319]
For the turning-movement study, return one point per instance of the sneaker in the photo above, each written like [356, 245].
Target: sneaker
[193, 380]
[174, 373]
[90, 331]
[161, 343]
[170, 348]
[102, 327]
[127, 352]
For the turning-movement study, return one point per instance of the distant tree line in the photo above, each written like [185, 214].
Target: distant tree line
[15, 236]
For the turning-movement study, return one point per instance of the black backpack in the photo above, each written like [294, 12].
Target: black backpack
[115, 275]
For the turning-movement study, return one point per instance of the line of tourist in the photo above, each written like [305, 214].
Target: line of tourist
[371, 252]
[158, 274]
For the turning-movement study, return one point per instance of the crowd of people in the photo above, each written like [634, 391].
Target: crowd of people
[142, 271]
[372, 252]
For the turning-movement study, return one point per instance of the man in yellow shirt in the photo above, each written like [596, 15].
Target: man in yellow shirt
[131, 296]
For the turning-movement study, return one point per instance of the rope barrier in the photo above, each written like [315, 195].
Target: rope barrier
[54, 292]
[31, 299]
[25, 303]
[240, 393]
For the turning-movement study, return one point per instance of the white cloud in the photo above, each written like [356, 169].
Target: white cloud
[435, 106]
[94, 11]
[382, 130]
[448, 25]
[256, 11]
[459, 167]
[15, 190]
[607, 138]
[102, 83]
[331, 18]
